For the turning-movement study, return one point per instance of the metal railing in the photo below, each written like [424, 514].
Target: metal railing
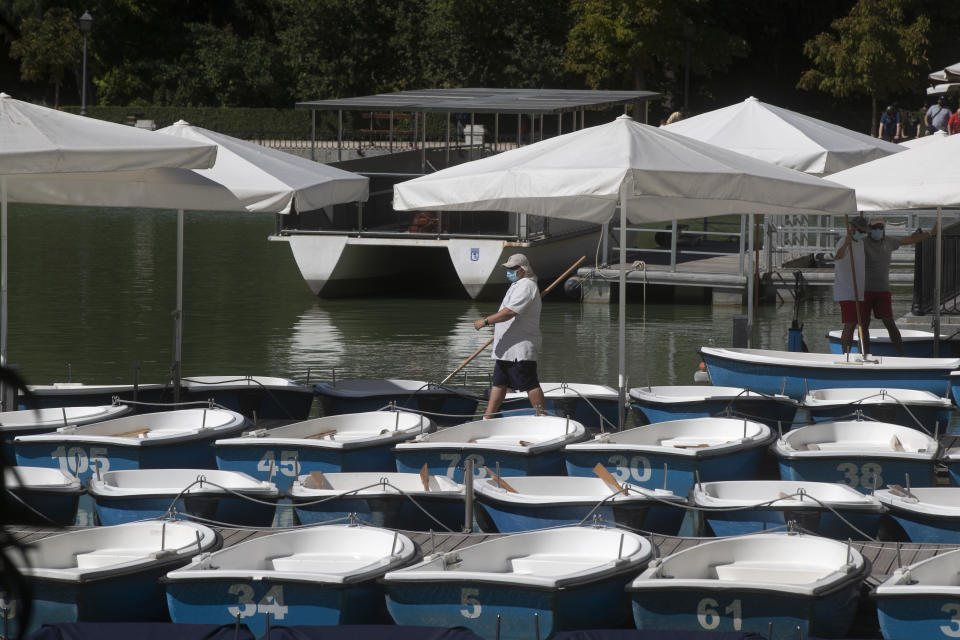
[925, 274]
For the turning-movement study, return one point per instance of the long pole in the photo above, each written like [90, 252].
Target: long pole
[856, 294]
[938, 283]
[622, 317]
[83, 88]
[178, 331]
[490, 341]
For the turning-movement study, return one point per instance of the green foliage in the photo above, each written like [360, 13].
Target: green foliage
[48, 47]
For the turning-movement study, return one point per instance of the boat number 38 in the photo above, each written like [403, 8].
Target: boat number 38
[286, 463]
[636, 469]
[271, 602]
[708, 614]
[866, 475]
[76, 460]
[951, 630]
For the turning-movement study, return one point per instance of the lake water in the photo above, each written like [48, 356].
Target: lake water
[91, 293]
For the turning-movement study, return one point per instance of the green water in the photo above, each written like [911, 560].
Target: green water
[91, 293]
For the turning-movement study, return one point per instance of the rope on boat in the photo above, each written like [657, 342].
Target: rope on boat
[249, 380]
[47, 518]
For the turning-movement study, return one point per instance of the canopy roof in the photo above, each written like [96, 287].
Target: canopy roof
[783, 137]
[35, 139]
[479, 100]
[665, 176]
[924, 177]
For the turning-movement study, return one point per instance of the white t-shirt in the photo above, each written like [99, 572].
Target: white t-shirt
[519, 337]
[842, 278]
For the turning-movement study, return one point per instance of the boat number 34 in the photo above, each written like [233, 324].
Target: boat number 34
[271, 602]
[76, 460]
[286, 464]
[866, 475]
[708, 614]
[636, 469]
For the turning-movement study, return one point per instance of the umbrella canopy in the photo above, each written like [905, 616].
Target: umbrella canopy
[943, 89]
[783, 137]
[936, 136]
[266, 180]
[35, 139]
[653, 174]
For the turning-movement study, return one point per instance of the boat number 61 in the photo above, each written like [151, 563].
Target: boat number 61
[708, 614]
[637, 469]
[866, 476]
[271, 602]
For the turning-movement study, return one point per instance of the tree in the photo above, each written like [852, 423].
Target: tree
[873, 51]
[48, 48]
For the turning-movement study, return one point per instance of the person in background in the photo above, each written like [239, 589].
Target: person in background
[910, 128]
[516, 338]
[953, 124]
[877, 249]
[937, 116]
[889, 128]
[846, 291]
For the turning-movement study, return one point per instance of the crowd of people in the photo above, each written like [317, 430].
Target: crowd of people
[898, 124]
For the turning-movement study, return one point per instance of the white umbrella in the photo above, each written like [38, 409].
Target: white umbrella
[783, 137]
[652, 174]
[943, 89]
[936, 136]
[924, 177]
[245, 177]
[35, 139]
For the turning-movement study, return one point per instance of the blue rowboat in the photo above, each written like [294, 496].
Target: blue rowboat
[316, 576]
[669, 455]
[443, 405]
[916, 344]
[791, 584]
[955, 387]
[909, 407]
[256, 397]
[539, 502]
[920, 600]
[349, 442]
[860, 454]
[951, 459]
[408, 501]
[796, 374]
[658, 404]
[592, 405]
[223, 498]
[169, 439]
[106, 574]
[926, 514]
[517, 446]
[737, 507]
[41, 496]
[518, 585]
[33, 421]
[78, 394]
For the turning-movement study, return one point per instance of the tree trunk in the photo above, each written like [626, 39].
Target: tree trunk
[873, 114]
[56, 94]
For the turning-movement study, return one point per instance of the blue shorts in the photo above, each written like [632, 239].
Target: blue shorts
[519, 376]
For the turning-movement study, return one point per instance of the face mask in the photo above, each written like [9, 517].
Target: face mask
[512, 275]
[876, 234]
[858, 235]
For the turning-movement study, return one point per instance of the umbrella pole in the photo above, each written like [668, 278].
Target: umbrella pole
[622, 303]
[938, 282]
[856, 297]
[3, 287]
[178, 314]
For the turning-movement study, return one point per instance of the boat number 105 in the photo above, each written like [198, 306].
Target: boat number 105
[866, 475]
[76, 460]
[708, 614]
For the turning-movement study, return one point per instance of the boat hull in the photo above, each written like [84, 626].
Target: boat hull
[523, 612]
[48, 398]
[388, 511]
[770, 412]
[57, 507]
[660, 470]
[227, 509]
[719, 609]
[287, 603]
[907, 415]
[602, 416]
[822, 522]
[256, 402]
[443, 407]
[651, 516]
[917, 616]
[863, 473]
[934, 529]
[449, 462]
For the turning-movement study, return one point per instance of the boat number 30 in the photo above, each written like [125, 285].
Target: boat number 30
[287, 464]
[708, 614]
[951, 630]
[637, 469]
[468, 598]
[866, 475]
[76, 460]
[271, 602]
[453, 461]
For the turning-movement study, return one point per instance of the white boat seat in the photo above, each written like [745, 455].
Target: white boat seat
[767, 572]
[543, 564]
[694, 442]
[108, 557]
[852, 446]
[319, 563]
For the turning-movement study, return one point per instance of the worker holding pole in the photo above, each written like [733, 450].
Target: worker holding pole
[848, 280]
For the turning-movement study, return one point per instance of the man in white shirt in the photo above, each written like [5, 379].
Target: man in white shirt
[845, 291]
[516, 337]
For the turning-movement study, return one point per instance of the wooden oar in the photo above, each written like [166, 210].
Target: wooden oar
[490, 341]
[425, 477]
[500, 481]
[318, 480]
[856, 294]
[132, 434]
[601, 472]
[322, 434]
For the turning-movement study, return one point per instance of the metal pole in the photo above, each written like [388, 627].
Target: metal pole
[448, 140]
[519, 119]
[178, 332]
[339, 134]
[750, 284]
[473, 132]
[496, 131]
[390, 134]
[313, 135]
[674, 232]
[743, 235]
[423, 145]
[622, 318]
[468, 495]
[3, 274]
[83, 88]
[938, 282]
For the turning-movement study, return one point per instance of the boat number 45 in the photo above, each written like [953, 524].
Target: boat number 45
[76, 460]
[286, 465]
[271, 602]
[866, 475]
[708, 614]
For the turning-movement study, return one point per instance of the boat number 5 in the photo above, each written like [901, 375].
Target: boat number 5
[951, 630]
[708, 614]
[637, 469]
[468, 597]
[453, 460]
[271, 602]
[866, 476]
